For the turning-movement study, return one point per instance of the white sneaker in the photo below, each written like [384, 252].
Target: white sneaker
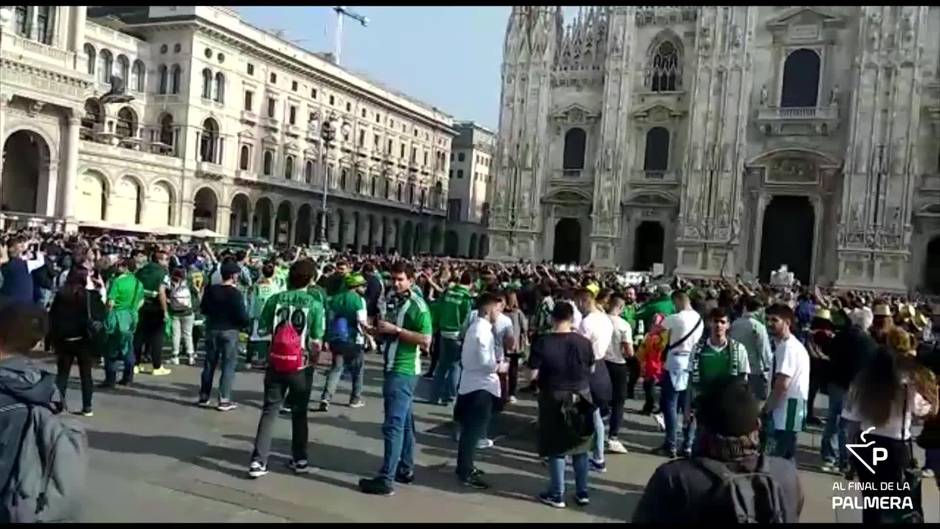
[513, 399]
[660, 421]
[485, 443]
[256, 470]
[614, 446]
[191, 361]
[175, 361]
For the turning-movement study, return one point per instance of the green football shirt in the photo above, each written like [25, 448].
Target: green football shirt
[411, 314]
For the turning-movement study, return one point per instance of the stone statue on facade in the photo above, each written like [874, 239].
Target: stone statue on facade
[763, 95]
[834, 95]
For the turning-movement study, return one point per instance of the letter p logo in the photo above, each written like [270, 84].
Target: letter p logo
[878, 454]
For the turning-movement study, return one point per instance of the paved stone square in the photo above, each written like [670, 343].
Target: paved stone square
[156, 457]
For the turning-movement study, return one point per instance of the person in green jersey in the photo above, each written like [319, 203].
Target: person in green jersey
[628, 314]
[125, 296]
[449, 314]
[260, 293]
[409, 328]
[346, 319]
[148, 339]
[717, 357]
[306, 313]
[660, 303]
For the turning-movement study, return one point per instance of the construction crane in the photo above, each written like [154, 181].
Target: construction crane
[342, 11]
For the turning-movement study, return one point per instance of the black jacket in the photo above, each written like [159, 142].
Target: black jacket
[851, 350]
[68, 316]
[679, 491]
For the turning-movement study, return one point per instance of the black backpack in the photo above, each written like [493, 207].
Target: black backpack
[749, 497]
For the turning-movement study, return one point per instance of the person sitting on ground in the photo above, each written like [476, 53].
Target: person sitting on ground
[686, 491]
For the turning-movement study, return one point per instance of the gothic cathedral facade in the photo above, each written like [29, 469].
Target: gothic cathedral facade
[724, 140]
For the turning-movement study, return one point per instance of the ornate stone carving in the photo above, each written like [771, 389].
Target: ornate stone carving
[33, 108]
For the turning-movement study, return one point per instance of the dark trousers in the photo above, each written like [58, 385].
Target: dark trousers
[435, 352]
[66, 353]
[149, 336]
[649, 403]
[633, 367]
[296, 388]
[513, 381]
[473, 411]
[888, 471]
[619, 387]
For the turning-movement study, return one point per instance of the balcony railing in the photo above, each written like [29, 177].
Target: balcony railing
[571, 173]
[797, 113]
[248, 116]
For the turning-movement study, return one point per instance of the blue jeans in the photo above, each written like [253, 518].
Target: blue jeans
[556, 474]
[671, 403]
[598, 452]
[835, 429]
[398, 430]
[346, 357]
[447, 373]
[221, 348]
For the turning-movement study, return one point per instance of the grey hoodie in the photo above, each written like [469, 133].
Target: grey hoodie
[44, 472]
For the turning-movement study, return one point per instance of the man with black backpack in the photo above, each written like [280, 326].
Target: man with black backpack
[43, 454]
[726, 480]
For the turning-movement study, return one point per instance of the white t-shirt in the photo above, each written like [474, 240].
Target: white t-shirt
[792, 360]
[478, 359]
[622, 334]
[501, 329]
[597, 327]
[679, 325]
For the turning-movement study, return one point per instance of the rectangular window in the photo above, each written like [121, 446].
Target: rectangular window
[348, 106]
[313, 93]
[271, 107]
[362, 138]
[248, 97]
[375, 141]
[402, 155]
[251, 69]
[363, 112]
[292, 119]
[273, 77]
[293, 86]
[453, 209]
[459, 173]
[390, 145]
[425, 158]
[378, 118]
[312, 116]
[332, 100]
[414, 154]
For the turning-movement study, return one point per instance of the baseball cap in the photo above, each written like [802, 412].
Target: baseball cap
[354, 280]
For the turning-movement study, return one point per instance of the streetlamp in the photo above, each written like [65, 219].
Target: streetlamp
[328, 134]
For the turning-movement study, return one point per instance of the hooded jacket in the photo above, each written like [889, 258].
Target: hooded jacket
[44, 459]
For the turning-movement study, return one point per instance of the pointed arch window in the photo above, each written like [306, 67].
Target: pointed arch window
[220, 87]
[665, 68]
[175, 76]
[289, 168]
[308, 172]
[163, 79]
[206, 84]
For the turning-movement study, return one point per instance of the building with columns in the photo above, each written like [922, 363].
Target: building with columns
[724, 139]
[471, 177]
[223, 131]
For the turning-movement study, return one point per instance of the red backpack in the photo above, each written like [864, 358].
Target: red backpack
[287, 353]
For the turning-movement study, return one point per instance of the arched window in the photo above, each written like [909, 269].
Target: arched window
[91, 121]
[162, 78]
[175, 75]
[800, 79]
[206, 84]
[124, 67]
[423, 196]
[398, 194]
[138, 76]
[126, 123]
[411, 193]
[289, 168]
[575, 140]
[22, 20]
[166, 129]
[656, 159]
[243, 158]
[90, 57]
[374, 178]
[210, 138]
[359, 183]
[106, 66]
[665, 69]
[45, 23]
[220, 87]
[308, 172]
[268, 163]
[342, 179]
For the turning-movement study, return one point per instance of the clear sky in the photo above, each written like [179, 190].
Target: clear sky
[448, 57]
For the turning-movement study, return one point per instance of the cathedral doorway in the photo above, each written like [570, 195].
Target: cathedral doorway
[26, 155]
[932, 267]
[648, 246]
[567, 242]
[787, 237]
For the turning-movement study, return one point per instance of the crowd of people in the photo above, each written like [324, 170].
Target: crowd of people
[738, 363]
